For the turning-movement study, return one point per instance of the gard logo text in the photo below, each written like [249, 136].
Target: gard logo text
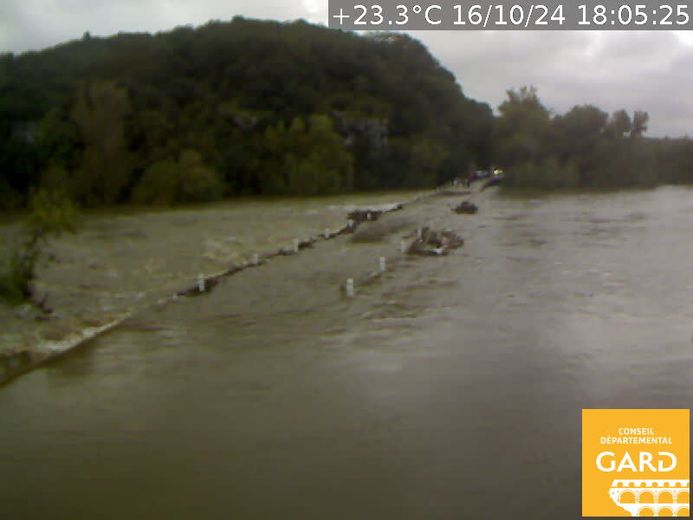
[636, 463]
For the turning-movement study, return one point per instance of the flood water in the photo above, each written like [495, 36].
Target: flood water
[448, 388]
[122, 261]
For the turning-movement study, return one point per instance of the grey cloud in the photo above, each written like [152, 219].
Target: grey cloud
[634, 70]
[32, 24]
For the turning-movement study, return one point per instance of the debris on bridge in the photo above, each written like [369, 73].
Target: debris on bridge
[452, 193]
[372, 214]
[434, 243]
[466, 208]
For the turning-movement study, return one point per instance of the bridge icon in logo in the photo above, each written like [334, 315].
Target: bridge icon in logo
[652, 497]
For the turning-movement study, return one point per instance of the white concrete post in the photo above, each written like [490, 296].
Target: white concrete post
[350, 290]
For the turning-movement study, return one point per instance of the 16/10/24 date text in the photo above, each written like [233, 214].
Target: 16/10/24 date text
[412, 15]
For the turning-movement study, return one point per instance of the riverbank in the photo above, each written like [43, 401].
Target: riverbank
[120, 263]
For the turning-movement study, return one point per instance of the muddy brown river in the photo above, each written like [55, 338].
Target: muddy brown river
[447, 388]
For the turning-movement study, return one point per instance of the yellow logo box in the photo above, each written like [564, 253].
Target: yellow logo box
[636, 463]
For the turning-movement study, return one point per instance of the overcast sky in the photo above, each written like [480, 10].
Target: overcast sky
[652, 71]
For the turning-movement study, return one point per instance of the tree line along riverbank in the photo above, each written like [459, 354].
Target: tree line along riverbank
[250, 107]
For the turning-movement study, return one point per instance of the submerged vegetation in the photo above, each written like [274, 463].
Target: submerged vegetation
[51, 213]
[251, 107]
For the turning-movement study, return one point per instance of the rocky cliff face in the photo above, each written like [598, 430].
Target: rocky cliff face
[373, 129]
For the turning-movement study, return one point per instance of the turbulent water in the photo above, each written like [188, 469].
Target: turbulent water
[447, 388]
[122, 262]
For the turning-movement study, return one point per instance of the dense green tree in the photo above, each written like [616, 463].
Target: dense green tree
[522, 129]
[99, 112]
[620, 124]
[306, 158]
[118, 105]
[577, 134]
[186, 179]
[58, 139]
[640, 120]
[98, 115]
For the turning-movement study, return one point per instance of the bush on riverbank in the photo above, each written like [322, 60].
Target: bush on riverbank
[16, 274]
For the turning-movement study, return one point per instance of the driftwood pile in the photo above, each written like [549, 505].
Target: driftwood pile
[362, 215]
[452, 193]
[434, 243]
[371, 215]
[466, 208]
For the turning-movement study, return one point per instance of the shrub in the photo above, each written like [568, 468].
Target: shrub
[52, 213]
[186, 180]
[16, 274]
